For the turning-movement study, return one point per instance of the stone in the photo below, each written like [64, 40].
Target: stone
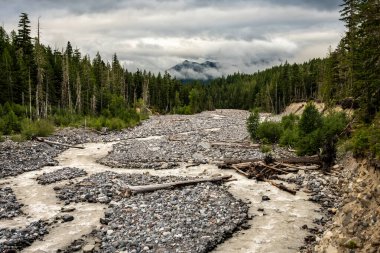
[336, 166]
[89, 248]
[327, 235]
[331, 249]
[67, 209]
[265, 198]
[67, 218]
[245, 226]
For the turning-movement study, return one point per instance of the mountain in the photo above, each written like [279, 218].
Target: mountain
[189, 70]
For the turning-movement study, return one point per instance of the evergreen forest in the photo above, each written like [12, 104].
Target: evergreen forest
[68, 87]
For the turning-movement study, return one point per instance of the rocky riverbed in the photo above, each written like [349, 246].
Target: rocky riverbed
[87, 212]
[9, 206]
[15, 239]
[169, 141]
[191, 219]
[17, 158]
[60, 175]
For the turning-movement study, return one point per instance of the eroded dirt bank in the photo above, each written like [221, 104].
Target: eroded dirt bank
[356, 226]
[189, 145]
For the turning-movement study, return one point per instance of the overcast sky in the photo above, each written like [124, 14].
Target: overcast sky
[244, 35]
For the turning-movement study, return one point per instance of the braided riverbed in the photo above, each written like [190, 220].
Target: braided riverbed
[84, 212]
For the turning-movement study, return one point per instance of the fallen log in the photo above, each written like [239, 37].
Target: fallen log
[238, 170]
[286, 165]
[272, 168]
[310, 167]
[289, 160]
[155, 187]
[235, 145]
[57, 143]
[281, 187]
[242, 165]
[192, 165]
[293, 168]
[302, 159]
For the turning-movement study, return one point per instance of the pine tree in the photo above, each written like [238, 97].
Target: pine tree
[23, 39]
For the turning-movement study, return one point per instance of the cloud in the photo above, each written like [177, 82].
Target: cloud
[158, 34]
[319, 4]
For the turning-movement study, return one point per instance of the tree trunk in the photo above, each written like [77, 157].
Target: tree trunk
[155, 187]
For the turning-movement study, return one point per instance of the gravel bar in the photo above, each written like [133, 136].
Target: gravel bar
[189, 219]
[164, 142]
[60, 175]
[13, 240]
[9, 206]
[192, 218]
[17, 158]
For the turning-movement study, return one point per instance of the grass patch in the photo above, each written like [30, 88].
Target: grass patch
[39, 128]
[18, 138]
[265, 149]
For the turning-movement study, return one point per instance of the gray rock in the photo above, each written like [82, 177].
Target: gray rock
[67, 218]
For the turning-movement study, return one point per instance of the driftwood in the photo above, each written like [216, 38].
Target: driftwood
[281, 186]
[248, 175]
[257, 168]
[127, 190]
[57, 143]
[289, 160]
[293, 168]
[272, 168]
[235, 145]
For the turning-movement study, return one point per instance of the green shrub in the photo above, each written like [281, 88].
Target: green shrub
[289, 121]
[311, 119]
[365, 141]
[252, 124]
[115, 124]
[1, 137]
[374, 138]
[186, 109]
[2, 125]
[95, 123]
[310, 144]
[334, 124]
[265, 148]
[289, 137]
[64, 119]
[40, 128]
[18, 138]
[10, 123]
[270, 131]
